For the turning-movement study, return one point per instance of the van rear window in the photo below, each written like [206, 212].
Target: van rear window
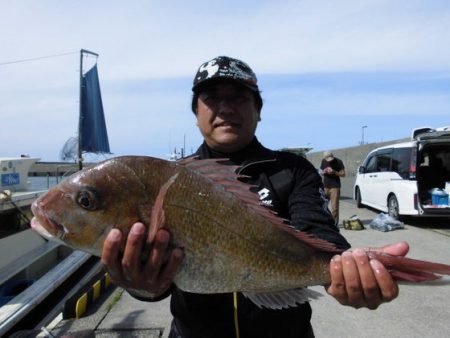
[383, 162]
[401, 158]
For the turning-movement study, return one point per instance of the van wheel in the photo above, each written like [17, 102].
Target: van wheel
[393, 207]
[358, 198]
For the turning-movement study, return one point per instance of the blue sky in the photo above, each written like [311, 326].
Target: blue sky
[325, 68]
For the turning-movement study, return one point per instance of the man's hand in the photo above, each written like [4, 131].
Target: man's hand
[328, 170]
[146, 279]
[358, 282]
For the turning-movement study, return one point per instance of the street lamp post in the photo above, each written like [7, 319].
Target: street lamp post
[362, 129]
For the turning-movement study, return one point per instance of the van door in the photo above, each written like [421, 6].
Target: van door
[366, 179]
[381, 185]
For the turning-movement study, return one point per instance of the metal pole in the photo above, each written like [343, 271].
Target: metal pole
[80, 119]
[362, 140]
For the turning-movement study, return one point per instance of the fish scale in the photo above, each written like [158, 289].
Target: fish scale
[241, 237]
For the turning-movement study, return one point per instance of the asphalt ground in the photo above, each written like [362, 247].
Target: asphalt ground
[421, 310]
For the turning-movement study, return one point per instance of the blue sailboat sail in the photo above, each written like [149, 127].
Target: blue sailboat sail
[93, 134]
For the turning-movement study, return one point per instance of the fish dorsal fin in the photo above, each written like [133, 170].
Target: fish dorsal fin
[282, 299]
[221, 173]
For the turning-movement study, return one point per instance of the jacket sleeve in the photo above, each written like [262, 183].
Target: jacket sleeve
[145, 296]
[308, 206]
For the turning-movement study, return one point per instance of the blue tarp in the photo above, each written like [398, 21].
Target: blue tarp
[94, 137]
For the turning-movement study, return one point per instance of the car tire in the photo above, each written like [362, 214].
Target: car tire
[358, 198]
[393, 209]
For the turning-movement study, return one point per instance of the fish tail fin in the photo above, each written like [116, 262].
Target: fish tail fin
[411, 270]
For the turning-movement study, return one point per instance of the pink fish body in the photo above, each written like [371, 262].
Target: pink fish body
[231, 243]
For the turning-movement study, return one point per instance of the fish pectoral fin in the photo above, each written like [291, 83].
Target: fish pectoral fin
[157, 218]
[282, 299]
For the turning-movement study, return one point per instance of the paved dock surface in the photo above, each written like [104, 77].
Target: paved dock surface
[419, 311]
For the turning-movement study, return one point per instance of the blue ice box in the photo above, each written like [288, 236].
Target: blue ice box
[439, 197]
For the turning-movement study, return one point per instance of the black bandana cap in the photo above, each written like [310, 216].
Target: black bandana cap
[225, 68]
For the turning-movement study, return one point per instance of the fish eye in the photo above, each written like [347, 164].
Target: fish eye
[87, 200]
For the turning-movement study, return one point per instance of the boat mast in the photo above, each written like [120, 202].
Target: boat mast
[80, 151]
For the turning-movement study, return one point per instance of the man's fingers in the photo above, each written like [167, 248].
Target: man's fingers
[155, 275]
[397, 249]
[359, 281]
[157, 254]
[352, 280]
[337, 287]
[171, 268]
[131, 256]
[370, 288]
[388, 287]
[110, 255]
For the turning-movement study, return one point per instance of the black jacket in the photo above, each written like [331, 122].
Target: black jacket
[293, 188]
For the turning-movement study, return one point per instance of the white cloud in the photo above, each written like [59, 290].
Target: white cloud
[158, 39]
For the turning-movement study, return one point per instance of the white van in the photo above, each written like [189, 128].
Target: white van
[403, 179]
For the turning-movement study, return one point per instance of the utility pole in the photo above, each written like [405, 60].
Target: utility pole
[362, 139]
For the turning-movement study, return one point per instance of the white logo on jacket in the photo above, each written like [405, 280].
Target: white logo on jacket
[264, 197]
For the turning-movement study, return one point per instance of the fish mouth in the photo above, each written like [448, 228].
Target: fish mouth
[46, 226]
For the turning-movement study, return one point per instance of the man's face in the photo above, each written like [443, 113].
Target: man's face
[227, 116]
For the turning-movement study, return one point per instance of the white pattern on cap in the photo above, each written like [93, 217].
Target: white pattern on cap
[226, 68]
[211, 68]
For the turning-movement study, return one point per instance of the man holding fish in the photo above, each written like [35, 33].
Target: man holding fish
[227, 104]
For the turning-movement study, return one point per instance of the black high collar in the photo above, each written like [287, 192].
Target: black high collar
[255, 151]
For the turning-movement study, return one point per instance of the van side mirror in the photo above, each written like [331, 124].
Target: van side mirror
[361, 169]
